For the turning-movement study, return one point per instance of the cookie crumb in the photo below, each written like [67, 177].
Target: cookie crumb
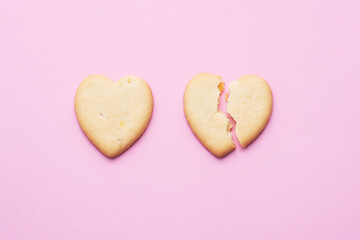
[221, 86]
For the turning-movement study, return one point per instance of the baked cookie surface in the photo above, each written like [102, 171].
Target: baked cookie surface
[210, 126]
[113, 115]
[250, 105]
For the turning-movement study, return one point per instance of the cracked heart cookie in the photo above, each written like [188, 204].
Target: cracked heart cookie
[210, 126]
[113, 115]
[250, 105]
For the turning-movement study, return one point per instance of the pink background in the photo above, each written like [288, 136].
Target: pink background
[299, 180]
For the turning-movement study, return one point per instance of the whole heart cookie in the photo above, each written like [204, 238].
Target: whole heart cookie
[113, 115]
[210, 126]
[250, 105]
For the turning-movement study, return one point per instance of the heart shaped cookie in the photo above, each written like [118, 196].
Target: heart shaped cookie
[210, 126]
[249, 104]
[113, 115]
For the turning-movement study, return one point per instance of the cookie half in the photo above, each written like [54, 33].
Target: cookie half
[113, 115]
[210, 126]
[250, 105]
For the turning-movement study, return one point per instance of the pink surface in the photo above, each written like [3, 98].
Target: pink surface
[299, 180]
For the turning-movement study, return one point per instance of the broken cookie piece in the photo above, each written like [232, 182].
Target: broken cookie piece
[210, 126]
[250, 105]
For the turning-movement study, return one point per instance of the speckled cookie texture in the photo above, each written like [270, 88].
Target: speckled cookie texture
[211, 126]
[113, 115]
[249, 104]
